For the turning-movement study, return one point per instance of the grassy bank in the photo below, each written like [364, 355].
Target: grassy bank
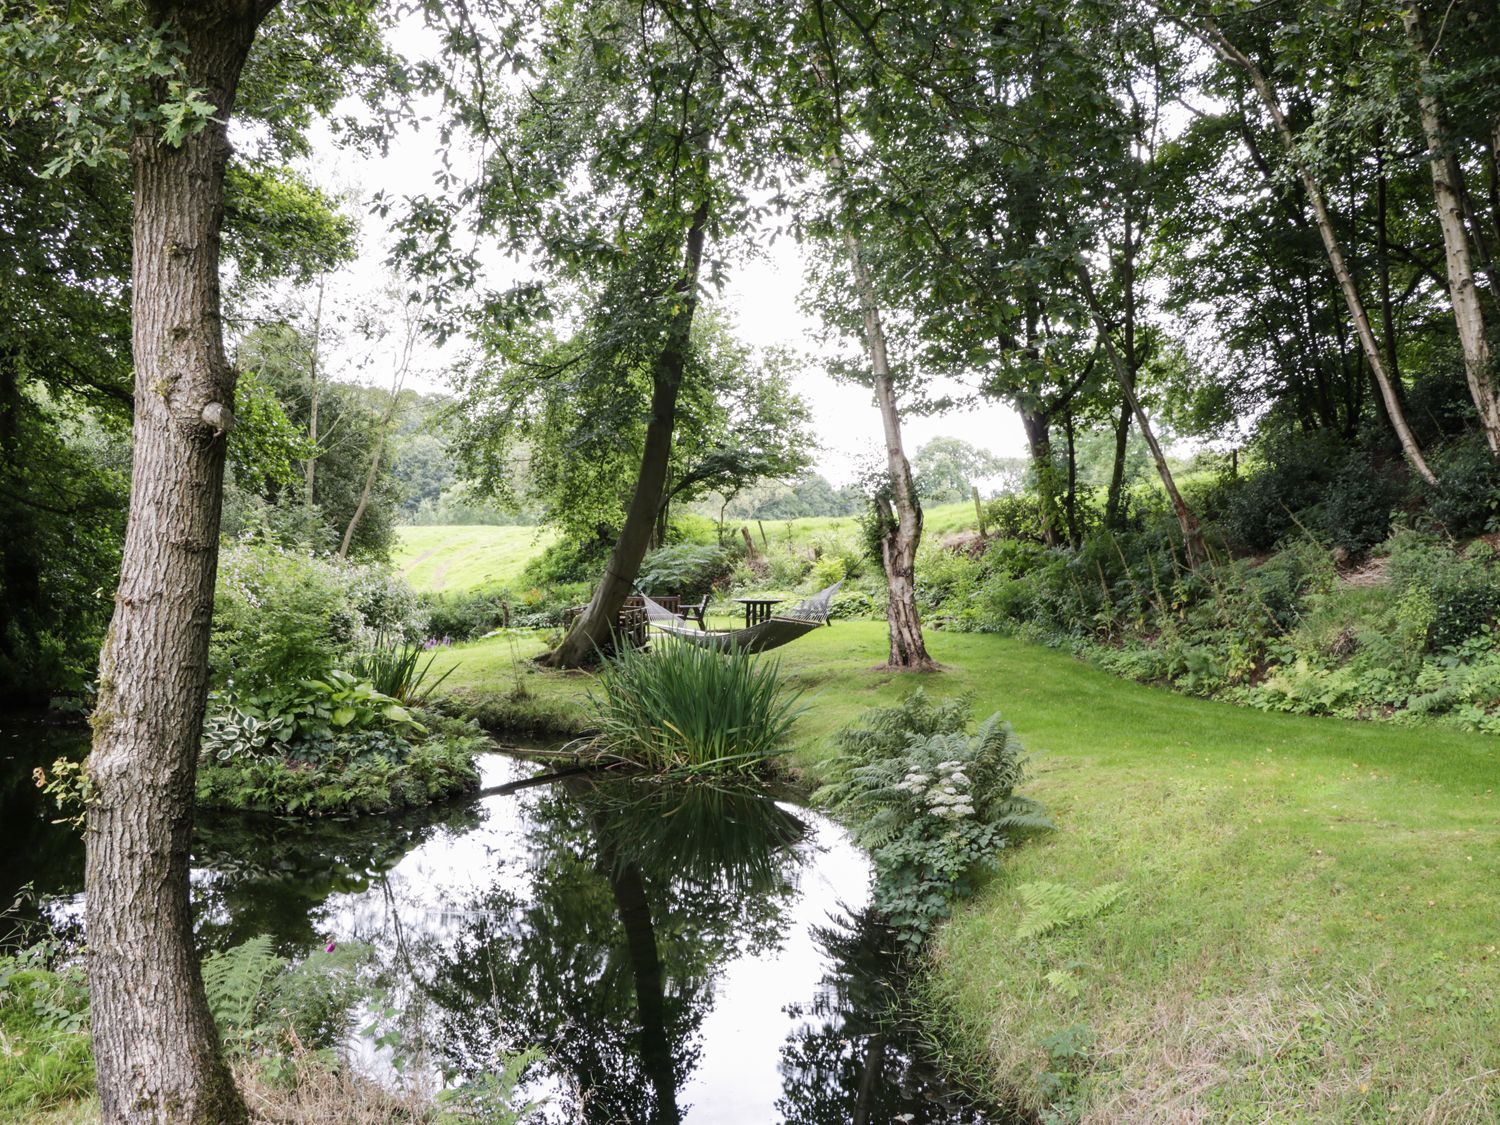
[1305, 929]
[453, 559]
[457, 559]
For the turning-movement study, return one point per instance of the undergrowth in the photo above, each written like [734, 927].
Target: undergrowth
[933, 803]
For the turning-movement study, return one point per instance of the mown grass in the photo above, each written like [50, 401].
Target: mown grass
[1307, 930]
[457, 559]
[937, 520]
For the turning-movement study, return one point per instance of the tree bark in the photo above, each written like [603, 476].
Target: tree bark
[155, 1047]
[900, 513]
[1037, 427]
[383, 431]
[1114, 501]
[310, 467]
[1192, 533]
[1468, 313]
[593, 632]
[1207, 30]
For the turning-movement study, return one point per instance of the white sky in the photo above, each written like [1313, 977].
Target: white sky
[761, 298]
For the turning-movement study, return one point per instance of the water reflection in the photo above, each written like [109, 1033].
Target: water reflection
[640, 895]
[679, 953]
[857, 1059]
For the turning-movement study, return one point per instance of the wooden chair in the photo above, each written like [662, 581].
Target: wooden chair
[694, 611]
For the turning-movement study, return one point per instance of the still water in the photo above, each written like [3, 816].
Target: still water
[677, 953]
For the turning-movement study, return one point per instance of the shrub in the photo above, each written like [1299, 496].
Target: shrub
[463, 617]
[279, 616]
[569, 560]
[933, 803]
[1466, 499]
[826, 571]
[682, 707]
[1355, 512]
[1457, 594]
[348, 778]
[686, 569]
[788, 569]
[1015, 516]
[1291, 476]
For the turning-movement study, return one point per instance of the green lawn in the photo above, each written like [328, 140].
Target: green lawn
[457, 559]
[937, 521]
[1310, 915]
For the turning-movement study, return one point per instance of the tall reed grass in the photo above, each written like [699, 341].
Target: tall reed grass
[681, 708]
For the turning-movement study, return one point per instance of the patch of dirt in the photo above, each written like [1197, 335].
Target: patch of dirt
[969, 543]
[1369, 573]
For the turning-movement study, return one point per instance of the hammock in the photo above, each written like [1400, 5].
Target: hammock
[782, 629]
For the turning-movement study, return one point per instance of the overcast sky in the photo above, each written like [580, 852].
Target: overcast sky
[762, 299]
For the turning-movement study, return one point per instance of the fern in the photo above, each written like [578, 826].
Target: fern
[240, 983]
[1051, 906]
[932, 802]
[1065, 983]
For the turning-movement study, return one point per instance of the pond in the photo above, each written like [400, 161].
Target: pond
[677, 953]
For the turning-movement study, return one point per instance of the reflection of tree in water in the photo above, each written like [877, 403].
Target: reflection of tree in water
[639, 892]
[260, 875]
[855, 1060]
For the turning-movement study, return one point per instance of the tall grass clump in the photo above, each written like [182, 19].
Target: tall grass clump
[681, 708]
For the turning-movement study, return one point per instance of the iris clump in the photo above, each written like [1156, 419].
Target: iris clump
[680, 708]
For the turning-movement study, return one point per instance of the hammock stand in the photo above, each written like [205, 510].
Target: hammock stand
[783, 628]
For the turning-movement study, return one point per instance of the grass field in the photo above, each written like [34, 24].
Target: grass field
[457, 559]
[1307, 925]
[937, 521]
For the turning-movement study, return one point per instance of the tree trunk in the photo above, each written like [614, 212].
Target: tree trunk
[1209, 32]
[1467, 311]
[1039, 445]
[368, 490]
[310, 467]
[387, 416]
[1383, 268]
[1192, 534]
[1070, 497]
[901, 512]
[155, 1046]
[1114, 502]
[593, 632]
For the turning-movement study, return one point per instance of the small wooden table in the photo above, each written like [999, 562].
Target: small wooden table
[758, 609]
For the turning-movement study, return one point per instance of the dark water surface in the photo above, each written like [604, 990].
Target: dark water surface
[679, 954]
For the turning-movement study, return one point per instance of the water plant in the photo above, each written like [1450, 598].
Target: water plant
[400, 671]
[688, 709]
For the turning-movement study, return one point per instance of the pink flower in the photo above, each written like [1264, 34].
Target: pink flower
[332, 945]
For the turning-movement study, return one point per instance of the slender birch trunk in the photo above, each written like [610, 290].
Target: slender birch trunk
[1468, 313]
[902, 514]
[1187, 522]
[1207, 30]
[314, 389]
